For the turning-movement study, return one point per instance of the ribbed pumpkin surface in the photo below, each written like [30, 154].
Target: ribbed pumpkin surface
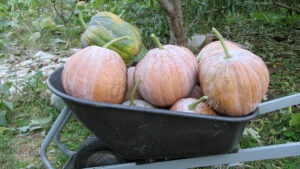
[95, 73]
[196, 93]
[234, 86]
[166, 75]
[214, 48]
[106, 26]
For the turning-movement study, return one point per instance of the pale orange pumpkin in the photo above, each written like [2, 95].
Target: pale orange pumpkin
[192, 105]
[235, 80]
[95, 73]
[136, 102]
[130, 84]
[167, 74]
[196, 92]
[214, 48]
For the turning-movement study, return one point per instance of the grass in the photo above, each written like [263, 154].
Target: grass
[273, 37]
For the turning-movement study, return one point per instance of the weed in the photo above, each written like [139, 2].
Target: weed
[5, 104]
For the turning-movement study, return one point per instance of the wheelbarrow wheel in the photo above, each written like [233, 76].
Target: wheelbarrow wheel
[94, 153]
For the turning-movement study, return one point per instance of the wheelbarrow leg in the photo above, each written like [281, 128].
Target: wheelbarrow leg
[59, 123]
[59, 144]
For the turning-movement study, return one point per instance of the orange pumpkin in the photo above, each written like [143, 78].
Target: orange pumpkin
[97, 74]
[193, 105]
[196, 92]
[136, 102]
[167, 74]
[235, 80]
[214, 48]
[130, 84]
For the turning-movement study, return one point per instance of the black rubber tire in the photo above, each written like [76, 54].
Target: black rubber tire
[94, 153]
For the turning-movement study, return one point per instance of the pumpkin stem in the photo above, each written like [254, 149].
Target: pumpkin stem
[133, 93]
[114, 40]
[222, 42]
[195, 104]
[157, 41]
[82, 21]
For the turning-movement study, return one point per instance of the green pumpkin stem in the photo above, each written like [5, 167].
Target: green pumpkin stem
[114, 40]
[222, 42]
[195, 104]
[132, 94]
[82, 21]
[157, 41]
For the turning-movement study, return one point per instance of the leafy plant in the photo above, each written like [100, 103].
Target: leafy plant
[34, 87]
[5, 104]
[64, 9]
[36, 124]
[295, 119]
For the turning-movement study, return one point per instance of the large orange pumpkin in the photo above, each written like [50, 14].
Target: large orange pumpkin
[235, 81]
[167, 74]
[95, 73]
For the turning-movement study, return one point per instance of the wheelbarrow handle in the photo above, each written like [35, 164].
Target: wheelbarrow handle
[279, 103]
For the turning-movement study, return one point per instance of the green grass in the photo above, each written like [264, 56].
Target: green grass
[22, 149]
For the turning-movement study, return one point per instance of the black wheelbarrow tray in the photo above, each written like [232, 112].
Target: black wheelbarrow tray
[134, 133]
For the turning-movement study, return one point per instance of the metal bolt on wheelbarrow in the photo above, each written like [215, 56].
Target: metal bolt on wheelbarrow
[131, 137]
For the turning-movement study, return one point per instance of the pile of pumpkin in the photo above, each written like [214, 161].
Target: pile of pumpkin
[223, 79]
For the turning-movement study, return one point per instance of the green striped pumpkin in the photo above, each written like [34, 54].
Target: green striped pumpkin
[106, 26]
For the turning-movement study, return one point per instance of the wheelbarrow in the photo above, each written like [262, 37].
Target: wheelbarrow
[133, 137]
